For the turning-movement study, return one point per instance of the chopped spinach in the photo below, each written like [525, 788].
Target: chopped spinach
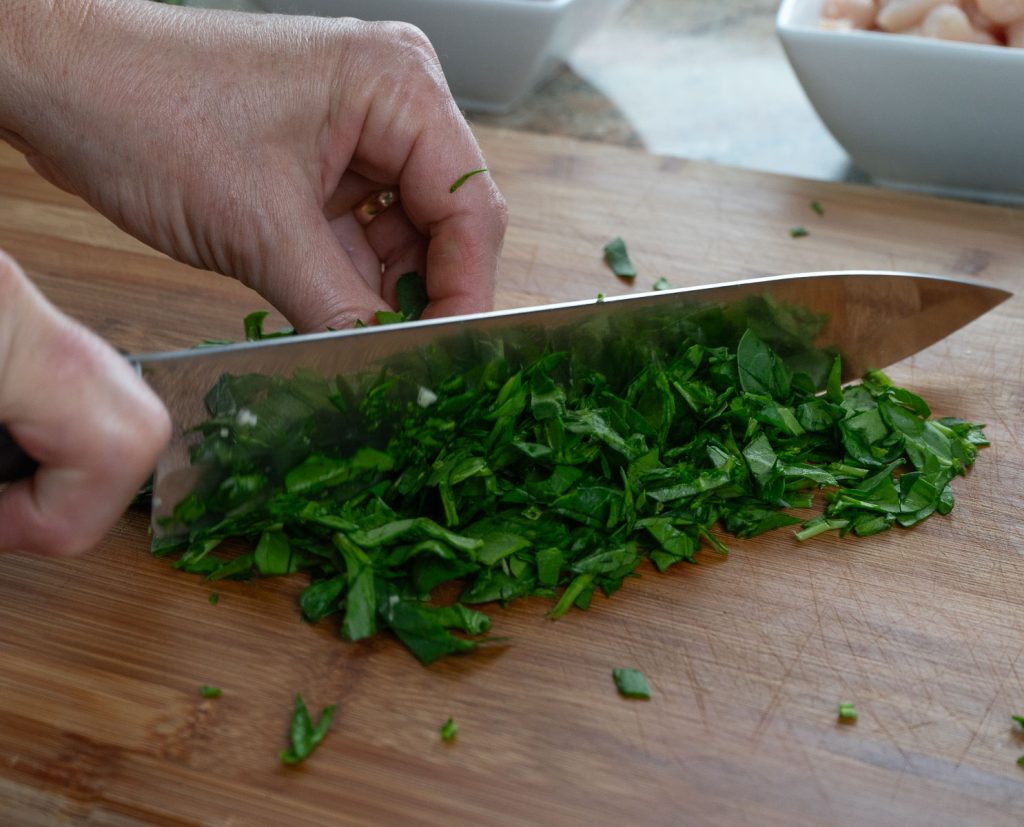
[543, 470]
[411, 292]
[631, 683]
[449, 729]
[847, 714]
[305, 736]
[616, 257]
[798, 232]
[462, 179]
[210, 691]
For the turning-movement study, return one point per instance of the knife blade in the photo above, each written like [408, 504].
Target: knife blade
[873, 319]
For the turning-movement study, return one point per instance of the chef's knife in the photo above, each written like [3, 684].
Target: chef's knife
[872, 319]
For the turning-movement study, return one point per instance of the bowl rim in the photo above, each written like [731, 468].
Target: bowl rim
[785, 25]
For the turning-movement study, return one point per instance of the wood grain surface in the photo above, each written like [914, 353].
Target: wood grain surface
[101, 657]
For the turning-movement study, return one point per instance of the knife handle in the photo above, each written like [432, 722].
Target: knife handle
[15, 464]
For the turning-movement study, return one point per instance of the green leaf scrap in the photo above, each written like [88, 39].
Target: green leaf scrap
[304, 735]
[616, 257]
[462, 179]
[449, 729]
[411, 292]
[631, 683]
[847, 714]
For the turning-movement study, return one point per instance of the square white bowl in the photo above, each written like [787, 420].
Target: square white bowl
[914, 112]
[493, 52]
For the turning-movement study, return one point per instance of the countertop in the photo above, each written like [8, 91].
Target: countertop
[702, 79]
[101, 718]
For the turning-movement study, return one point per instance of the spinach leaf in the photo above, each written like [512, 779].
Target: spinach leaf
[305, 736]
[462, 179]
[411, 292]
[449, 729]
[617, 257]
[631, 683]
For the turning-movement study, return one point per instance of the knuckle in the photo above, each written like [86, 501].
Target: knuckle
[57, 537]
[152, 432]
[11, 277]
[409, 54]
[410, 38]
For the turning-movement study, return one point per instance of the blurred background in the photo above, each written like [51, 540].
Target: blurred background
[701, 79]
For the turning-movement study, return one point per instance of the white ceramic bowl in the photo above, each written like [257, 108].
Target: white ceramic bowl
[493, 52]
[911, 111]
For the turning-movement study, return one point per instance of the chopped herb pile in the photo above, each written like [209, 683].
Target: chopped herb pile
[210, 691]
[847, 714]
[631, 683]
[508, 472]
[305, 736]
[616, 257]
[449, 729]
[462, 179]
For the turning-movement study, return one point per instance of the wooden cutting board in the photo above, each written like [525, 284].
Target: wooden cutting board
[101, 657]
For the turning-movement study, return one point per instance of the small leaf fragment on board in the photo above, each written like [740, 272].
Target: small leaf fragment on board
[817, 208]
[210, 691]
[449, 729]
[305, 736]
[798, 232]
[617, 257]
[662, 284]
[214, 598]
[847, 714]
[631, 683]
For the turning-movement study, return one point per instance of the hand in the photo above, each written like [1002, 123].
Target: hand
[79, 409]
[243, 143]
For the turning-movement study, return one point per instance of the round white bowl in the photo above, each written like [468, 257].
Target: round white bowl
[914, 112]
